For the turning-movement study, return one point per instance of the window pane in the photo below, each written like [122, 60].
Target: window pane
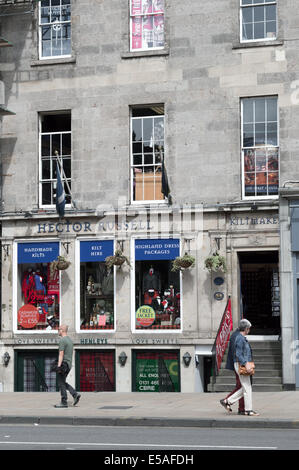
[67, 167]
[272, 133]
[246, 2]
[258, 14]
[273, 160]
[148, 159]
[248, 111]
[137, 160]
[46, 194]
[249, 160]
[137, 130]
[56, 144]
[46, 169]
[261, 161]
[259, 31]
[66, 144]
[271, 109]
[260, 134]
[271, 29]
[137, 147]
[248, 140]
[271, 12]
[158, 6]
[248, 31]
[147, 129]
[45, 145]
[260, 110]
[247, 14]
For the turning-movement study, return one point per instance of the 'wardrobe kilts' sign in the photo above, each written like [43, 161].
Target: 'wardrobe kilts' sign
[158, 249]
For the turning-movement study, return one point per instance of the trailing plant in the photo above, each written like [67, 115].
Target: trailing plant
[60, 264]
[118, 259]
[215, 263]
[183, 262]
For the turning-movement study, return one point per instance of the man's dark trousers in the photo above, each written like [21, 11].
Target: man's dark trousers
[63, 385]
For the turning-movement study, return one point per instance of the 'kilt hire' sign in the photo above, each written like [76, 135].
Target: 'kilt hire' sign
[223, 333]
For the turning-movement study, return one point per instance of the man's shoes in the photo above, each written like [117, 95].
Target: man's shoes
[76, 399]
[241, 412]
[61, 405]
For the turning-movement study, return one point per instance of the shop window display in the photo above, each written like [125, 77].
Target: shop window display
[157, 287]
[96, 286]
[38, 287]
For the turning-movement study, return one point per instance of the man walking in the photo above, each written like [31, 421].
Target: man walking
[64, 366]
[230, 366]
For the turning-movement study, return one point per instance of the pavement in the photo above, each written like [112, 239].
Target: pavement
[277, 410]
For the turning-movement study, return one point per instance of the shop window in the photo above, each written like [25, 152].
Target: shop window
[34, 371]
[96, 371]
[156, 371]
[258, 20]
[96, 286]
[38, 287]
[147, 153]
[54, 28]
[157, 287]
[260, 147]
[55, 147]
[147, 24]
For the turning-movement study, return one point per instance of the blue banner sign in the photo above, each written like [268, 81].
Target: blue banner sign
[37, 252]
[158, 249]
[95, 250]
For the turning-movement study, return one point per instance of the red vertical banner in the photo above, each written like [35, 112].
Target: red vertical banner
[224, 333]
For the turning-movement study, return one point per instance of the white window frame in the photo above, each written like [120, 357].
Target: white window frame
[16, 285]
[77, 294]
[52, 24]
[261, 3]
[259, 197]
[144, 14]
[132, 166]
[149, 331]
[52, 159]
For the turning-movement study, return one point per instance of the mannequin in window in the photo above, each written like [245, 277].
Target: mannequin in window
[150, 285]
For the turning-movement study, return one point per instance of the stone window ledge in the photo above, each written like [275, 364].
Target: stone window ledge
[248, 45]
[136, 55]
[57, 61]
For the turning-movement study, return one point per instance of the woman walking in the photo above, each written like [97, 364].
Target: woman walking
[243, 357]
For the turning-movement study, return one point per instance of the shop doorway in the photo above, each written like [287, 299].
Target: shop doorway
[259, 291]
[156, 371]
[33, 371]
[95, 371]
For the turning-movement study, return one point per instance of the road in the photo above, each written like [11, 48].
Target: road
[42, 437]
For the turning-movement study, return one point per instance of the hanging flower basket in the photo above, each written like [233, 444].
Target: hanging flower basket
[183, 262]
[60, 264]
[215, 263]
[118, 259]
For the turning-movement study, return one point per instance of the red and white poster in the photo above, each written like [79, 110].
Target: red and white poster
[28, 316]
[224, 333]
[147, 24]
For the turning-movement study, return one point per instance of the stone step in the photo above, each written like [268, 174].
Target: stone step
[259, 372]
[256, 380]
[255, 388]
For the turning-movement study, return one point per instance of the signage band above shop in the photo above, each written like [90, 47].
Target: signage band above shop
[158, 249]
[37, 252]
[95, 250]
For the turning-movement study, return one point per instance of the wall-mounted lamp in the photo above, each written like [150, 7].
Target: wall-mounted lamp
[122, 358]
[187, 359]
[6, 359]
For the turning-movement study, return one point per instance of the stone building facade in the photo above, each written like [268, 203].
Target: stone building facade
[117, 94]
